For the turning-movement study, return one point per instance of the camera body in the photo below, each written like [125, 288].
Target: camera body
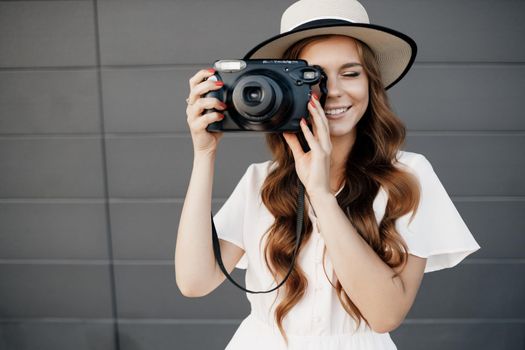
[264, 95]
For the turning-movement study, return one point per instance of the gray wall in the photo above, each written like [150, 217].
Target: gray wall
[95, 157]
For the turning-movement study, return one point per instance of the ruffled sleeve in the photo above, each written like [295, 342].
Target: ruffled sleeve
[230, 219]
[437, 231]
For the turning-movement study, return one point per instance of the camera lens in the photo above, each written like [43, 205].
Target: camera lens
[261, 100]
[253, 95]
[257, 97]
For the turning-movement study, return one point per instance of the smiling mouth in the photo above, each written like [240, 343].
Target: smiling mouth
[336, 113]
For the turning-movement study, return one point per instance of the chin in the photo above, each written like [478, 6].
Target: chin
[340, 129]
[338, 132]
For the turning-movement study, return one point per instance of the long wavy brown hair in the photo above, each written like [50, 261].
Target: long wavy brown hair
[370, 165]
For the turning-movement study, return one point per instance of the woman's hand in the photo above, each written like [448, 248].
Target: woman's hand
[203, 141]
[313, 167]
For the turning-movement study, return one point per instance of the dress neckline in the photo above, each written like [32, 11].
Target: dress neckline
[340, 189]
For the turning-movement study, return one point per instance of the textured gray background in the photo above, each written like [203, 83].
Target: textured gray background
[95, 158]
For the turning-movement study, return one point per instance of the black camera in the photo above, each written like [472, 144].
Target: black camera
[263, 94]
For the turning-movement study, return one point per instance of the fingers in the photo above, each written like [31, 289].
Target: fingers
[209, 118]
[203, 103]
[200, 76]
[199, 85]
[198, 104]
[202, 88]
[294, 144]
[320, 122]
[203, 121]
[312, 142]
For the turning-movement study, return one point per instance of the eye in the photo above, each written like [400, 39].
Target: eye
[351, 74]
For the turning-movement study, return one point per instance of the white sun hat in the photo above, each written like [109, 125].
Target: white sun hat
[395, 52]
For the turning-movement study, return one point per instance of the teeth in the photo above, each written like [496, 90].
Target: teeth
[335, 111]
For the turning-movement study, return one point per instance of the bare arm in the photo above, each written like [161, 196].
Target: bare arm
[382, 299]
[369, 282]
[196, 271]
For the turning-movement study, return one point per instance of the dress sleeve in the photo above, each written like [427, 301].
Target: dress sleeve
[437, 231]
[229, 220]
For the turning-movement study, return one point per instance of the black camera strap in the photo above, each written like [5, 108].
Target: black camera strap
[300, 206]
[299, 226]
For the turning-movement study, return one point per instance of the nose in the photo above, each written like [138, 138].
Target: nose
[332, 85]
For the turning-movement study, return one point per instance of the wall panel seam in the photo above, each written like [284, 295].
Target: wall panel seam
[169, 262]
[240, 135]
[193, 66]
[214, 321]
[109, 238]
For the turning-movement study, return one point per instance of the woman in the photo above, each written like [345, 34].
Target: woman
[378, 217]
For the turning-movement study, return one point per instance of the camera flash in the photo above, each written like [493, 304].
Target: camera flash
[230, 65]
[309, 75]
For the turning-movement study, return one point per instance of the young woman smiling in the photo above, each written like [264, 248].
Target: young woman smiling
[377, 218]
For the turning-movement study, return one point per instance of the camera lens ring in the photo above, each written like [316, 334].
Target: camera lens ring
[258, 109]
[279, 110]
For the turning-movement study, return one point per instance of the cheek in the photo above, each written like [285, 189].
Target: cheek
[365, 97]
[359, 92]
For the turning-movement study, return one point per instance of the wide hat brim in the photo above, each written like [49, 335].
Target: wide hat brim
[395, 52]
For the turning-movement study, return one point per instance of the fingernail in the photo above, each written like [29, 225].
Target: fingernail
[219, 83]
[315, 96]
[223, 105]
[312, 103]
[211, 70]
[221, 116]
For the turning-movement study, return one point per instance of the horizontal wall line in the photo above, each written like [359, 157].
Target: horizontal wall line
[71, 68]
[463, 321]
[488, 198]
[481, 198]
[193, 66]
[240, 134]
[204, 65]
[56, 320]
[43, 0]
[466, 132]
[180, 200]
[33, 136]
[52, 201]
[204, 321]
[104, 262]
[470, 63]
[164, 262]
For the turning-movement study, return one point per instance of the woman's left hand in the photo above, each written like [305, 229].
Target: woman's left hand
[313, 167]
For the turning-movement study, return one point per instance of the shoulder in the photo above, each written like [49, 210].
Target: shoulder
[257, 172]
[414, 162]
[260, 169]
[422, 169]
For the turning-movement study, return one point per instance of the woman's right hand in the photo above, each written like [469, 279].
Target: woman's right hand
[203, 141]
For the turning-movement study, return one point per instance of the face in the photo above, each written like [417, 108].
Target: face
[347, 85]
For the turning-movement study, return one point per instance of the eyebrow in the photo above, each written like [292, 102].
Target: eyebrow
[351, 64]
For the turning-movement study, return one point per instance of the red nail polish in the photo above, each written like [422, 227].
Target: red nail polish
[315, 96]
[312, 103]
[211, 70]
[219, 83]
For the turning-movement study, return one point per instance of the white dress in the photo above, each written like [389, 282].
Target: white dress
[319, 321]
